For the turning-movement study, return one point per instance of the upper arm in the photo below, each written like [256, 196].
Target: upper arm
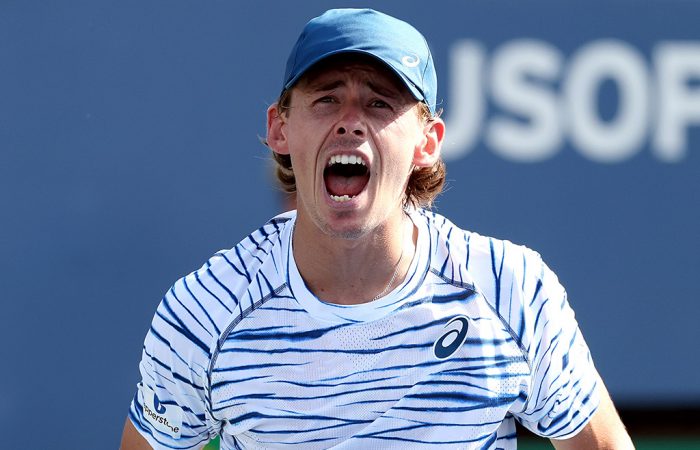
[604, 431]
[563, 391]
[171, 406]
[567, 399]
[131, 439]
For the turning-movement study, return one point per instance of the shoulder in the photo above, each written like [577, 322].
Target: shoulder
[482, 259]
[510, 277]
[261, 250]
[199, 306]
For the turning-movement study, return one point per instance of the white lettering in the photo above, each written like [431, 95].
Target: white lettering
[623, 136]
[514, 66]
[533, 118]
[467, 105]
[678, 63]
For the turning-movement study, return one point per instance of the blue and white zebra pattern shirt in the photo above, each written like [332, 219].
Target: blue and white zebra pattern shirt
[479, 333]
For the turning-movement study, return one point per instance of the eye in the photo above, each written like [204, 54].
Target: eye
[326, 99]
[379, 104]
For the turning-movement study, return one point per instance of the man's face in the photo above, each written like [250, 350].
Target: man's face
[354, 133]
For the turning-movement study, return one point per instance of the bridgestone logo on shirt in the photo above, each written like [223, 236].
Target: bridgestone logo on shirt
[166, 419]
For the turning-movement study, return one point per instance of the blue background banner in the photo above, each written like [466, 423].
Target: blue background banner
[129, 153]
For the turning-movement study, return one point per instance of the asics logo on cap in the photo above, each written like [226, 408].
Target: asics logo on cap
[410, 60]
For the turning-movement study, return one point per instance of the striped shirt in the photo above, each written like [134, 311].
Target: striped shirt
[478, 334]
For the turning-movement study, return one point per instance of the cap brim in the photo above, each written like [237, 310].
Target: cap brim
[417, 94]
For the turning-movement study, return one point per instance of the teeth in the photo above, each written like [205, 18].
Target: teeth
[346, 159]
[341, 198]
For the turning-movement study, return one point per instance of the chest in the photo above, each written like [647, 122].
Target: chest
[282, 375]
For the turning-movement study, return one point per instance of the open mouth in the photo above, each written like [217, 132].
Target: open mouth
[345, 176]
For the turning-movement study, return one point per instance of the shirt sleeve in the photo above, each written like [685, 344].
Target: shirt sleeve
[563, 388]
[171, 407]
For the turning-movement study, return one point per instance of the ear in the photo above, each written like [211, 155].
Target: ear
[427, 151]
[276, 137]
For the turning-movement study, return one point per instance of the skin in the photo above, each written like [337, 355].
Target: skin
[350, 249]
[131, 439]
[346, 252]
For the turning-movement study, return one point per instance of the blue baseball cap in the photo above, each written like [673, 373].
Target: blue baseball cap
[394, 42]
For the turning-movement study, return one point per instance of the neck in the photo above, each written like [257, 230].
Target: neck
[352, 271]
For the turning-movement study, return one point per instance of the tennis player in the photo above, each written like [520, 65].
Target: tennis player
[362, 320]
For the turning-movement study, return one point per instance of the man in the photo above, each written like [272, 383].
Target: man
[362, 320]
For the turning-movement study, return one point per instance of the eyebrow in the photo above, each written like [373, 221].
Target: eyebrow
[383, 90]
[331, 85]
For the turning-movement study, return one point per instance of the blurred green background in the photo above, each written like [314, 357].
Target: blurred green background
[533, 443]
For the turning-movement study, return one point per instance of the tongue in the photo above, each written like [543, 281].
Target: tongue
[341, 185]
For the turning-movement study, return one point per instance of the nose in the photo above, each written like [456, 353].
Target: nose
[351, 121]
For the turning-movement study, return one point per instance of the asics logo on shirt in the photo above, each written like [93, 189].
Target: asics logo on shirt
[453, 339]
